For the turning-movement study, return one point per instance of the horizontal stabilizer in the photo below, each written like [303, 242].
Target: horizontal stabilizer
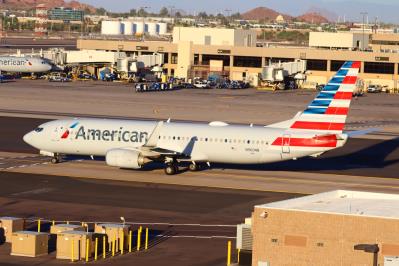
[361, 132]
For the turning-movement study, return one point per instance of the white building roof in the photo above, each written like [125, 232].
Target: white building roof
[343, 202]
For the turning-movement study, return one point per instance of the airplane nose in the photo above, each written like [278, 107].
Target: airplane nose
[28, 138]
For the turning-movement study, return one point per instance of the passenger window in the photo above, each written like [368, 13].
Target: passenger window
[174, 137]
[248, 141]
[206, 139]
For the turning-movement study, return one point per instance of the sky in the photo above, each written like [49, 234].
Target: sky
[385, 10]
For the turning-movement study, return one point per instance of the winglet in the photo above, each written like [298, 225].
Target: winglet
[153, 139]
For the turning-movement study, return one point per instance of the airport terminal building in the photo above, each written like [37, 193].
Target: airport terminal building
[240, 59]
[332, 228]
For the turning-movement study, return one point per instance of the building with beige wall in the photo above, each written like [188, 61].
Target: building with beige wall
[332, 228]
[385, 42]
[215, 36]
[339, 40]
[242, 62]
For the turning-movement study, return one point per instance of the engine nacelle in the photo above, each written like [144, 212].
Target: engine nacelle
[125, 159]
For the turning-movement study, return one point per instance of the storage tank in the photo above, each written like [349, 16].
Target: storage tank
[162, 28]
[139, 28]
[152, 28]
[128, 28]
[111, 27]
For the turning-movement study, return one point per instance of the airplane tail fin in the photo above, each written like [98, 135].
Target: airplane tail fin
[329, 110]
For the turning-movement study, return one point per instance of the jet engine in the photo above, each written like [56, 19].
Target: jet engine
[124, 158]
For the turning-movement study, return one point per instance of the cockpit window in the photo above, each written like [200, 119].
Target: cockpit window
[39, 129]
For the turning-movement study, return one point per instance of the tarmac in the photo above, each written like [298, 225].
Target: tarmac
[44, 99]
[9, 45]
[195, 213]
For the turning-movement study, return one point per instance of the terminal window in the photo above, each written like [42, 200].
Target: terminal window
[379, 68]
[336, 65]
[314, 64]
[166, 58]
[196, 59]
[206, 58]
[174, 58]
[207, 40]
[247, 61]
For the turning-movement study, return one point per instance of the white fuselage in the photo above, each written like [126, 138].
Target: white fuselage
[201, 142]
[23, 64]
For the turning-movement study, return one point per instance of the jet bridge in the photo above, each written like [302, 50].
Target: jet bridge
[278, 75]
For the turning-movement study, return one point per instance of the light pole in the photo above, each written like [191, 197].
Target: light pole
[143, 8]
[171, 9]
[364, 14]
[228, 15]
[170, 14]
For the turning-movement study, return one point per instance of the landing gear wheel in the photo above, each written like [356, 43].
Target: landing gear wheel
[193, 167]
[171, 169]
[55, 160]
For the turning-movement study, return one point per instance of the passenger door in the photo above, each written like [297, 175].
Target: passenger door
[285, 144]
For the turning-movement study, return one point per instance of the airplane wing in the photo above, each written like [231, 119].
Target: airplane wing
[151, 150]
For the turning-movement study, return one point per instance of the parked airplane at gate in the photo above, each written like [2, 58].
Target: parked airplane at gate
[132, 144]
[23, 64]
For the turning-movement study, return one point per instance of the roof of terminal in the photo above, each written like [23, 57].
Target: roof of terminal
[343, 202]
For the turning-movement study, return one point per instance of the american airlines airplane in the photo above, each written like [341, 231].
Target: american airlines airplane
[132, 144]
[23, 64]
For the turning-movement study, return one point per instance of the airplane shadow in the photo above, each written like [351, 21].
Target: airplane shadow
[374, 156]
[8, 81]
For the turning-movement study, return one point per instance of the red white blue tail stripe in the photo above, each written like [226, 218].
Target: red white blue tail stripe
[328, 111]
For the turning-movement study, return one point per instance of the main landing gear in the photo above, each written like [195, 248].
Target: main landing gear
[56, 159]
[193, 167]
[171, 168]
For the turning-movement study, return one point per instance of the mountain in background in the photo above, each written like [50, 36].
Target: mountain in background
[386, 12]
[31, 4]
[328, 14]
[268, 15]
[263, 14]
[312, 17]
